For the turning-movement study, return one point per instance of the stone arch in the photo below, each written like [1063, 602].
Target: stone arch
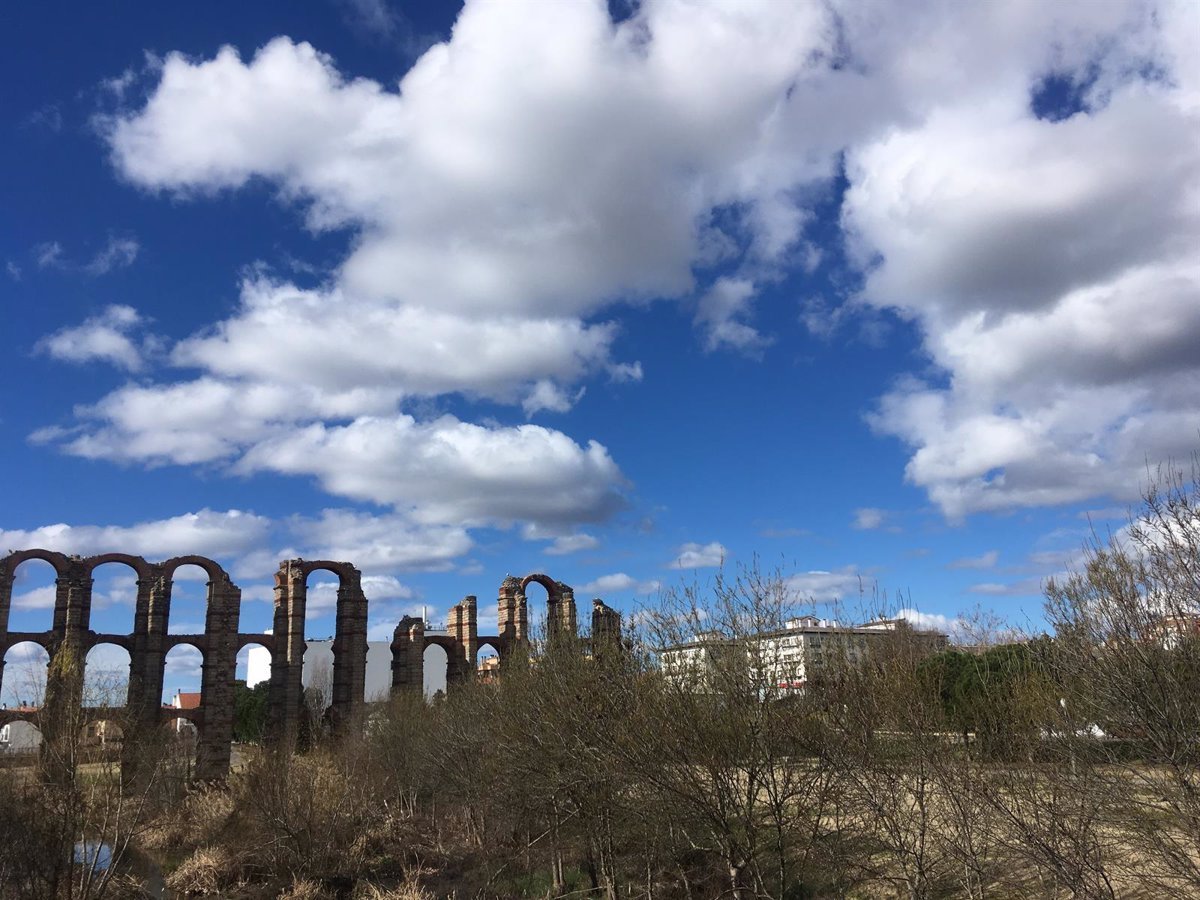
[25, 677]
[187, 646]
[349, 644]
[488, 657]
[60, 561]
[213, 568]
[60, 566]
[103, 685]
[140, 567]
[560, 604]
[436, 658]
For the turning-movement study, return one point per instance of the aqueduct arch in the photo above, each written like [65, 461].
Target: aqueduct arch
[71, 637]
[463, 640]
[219, 643]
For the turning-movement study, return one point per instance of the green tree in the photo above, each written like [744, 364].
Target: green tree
[249, 711]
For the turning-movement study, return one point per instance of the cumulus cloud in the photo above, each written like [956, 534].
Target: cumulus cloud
[534, 170]
[821, 586]
[699, 556]
[983, 561]
[1050, 266]
[869, 518]
[205, 533]
[618, 583]
[571, 543]
[721, 312]
[333, 342]
[448, 471]
[379, 543]
[48, 255]
[117, 253]
[925, 621]
[107, 337]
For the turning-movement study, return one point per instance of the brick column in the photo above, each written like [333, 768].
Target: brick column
[464, 628]
[349, 652]
[6, 583]
[606, 626]
[408, 656]
[513, 619]
[217, 681]
[145, 682]
[287, 662]
[60, 714]
[568, 622]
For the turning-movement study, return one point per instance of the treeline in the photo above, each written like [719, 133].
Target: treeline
[1044, 768]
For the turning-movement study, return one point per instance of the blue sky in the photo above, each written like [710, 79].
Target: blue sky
[892, 297]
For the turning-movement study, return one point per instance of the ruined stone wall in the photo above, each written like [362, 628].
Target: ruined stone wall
[463, 640]
[71, 636]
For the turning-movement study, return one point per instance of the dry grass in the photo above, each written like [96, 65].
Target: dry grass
[209, 870]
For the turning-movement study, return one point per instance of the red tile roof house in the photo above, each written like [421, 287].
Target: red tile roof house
[184, 700]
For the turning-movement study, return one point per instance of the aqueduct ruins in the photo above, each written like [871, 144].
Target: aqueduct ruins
[71, 637]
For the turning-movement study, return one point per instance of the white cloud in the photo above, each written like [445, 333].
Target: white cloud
[869, 518]
[1050, 266]
[535, 169]
[447, 471]
[14, 271]
[333, 342]
[48, 255]
[105, 337]
[118, 253]
[550, 397]
[983, 561]
[571, 543]
[820, 586]
[205, 533]
[618, 583]
[37, 598]
[379, 543]
[923, 621]
[623, 373]
[699, 556]
[720, 313]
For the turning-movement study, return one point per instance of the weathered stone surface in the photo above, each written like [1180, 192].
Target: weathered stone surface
[463, 640]
[71, 637]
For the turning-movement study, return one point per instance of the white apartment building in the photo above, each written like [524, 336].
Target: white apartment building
[785, 660]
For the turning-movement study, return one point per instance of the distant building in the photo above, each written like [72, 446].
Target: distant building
[185, 700]
[20, 736]
[787, 659]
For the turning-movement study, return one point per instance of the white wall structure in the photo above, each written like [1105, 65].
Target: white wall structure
[318, 668]
[783, 660]
[19, 737]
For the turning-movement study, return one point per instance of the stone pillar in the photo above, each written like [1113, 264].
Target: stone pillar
[158, 612]
[349, 653]
[217, 679]
[6, 583]
[513, 619]
[287, 662]
[606, 625]
[408, 656]
[61, 708]
[568, 622]
[145, 682]
[464, 628]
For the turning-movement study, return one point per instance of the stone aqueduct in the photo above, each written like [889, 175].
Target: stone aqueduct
[71, 636]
